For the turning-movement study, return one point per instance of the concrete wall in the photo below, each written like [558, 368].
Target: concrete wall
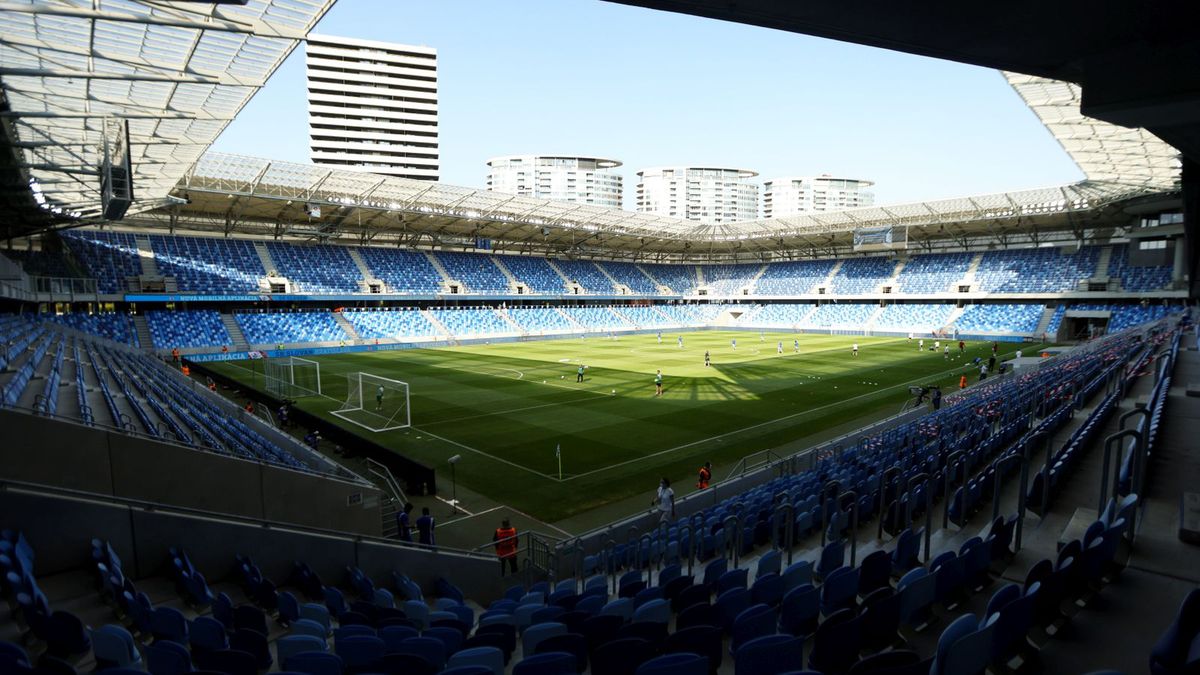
[60, 525]
[64, 454]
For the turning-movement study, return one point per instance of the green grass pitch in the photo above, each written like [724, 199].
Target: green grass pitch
[506, 406]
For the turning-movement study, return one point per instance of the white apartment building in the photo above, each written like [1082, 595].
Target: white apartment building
[583, 180]
[373, 106]
[794, 195]
[707, 195]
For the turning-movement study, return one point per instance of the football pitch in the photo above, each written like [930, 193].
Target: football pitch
[510, 408]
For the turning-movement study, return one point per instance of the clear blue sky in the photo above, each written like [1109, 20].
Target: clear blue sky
[653, 88]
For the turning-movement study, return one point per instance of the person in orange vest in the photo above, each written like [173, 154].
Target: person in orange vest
[250, 407]
[212, 386]
[705, 476]
[224, 349]
[962, 382]
[506, 546]
[187, 372]
[175, 355]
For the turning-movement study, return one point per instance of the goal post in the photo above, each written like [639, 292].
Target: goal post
[292, 377]
[375, 403]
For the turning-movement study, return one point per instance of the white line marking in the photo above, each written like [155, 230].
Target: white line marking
[506, 412]
[451, 503]
[480, 452]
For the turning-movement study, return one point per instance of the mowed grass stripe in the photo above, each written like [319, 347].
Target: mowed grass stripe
[616, 446]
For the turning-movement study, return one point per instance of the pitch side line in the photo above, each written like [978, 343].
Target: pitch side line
[753, 426]
[547, 383]
[489, 456]
[506, 412]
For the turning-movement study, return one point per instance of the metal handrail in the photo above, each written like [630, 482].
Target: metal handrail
[385, 474]
[837, 487]
[853, 523]
[948, 472]
[883, 486]
[789, 524]
[1111, 443]
[923, 476]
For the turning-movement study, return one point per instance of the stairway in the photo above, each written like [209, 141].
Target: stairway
[142, 329]
[346, 326]
[1103, 262]
[513, 281]
[264, 256]
[662, 290]
[755, 278]
[954, 316]
[570, 320]
[566, 280]
[146, 257]
[619, 287]
[700, 276]
[367, 275]
[1044, 322]
[837, 267]
[895, 274]
[436, 324]
[235, 333]
[870, 322]
[437, 265]
[969, 277]
[509, 320]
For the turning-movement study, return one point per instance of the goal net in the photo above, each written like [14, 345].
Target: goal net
[292, 377]
[375, 403]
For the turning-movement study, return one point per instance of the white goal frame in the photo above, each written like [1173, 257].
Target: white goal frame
[358, 393]
[279, 377]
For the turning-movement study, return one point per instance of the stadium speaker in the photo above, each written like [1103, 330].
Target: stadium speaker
[312, 210]
[116, 170]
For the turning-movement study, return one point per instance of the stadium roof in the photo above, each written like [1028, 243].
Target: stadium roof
[1104, 152]
[177, 71]
[252, 195]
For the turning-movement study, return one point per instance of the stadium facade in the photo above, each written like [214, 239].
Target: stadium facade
[580, 180]
[373, 106]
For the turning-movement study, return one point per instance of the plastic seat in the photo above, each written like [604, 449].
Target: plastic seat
[549, 663]
[692, 595]
[704, 640]
[168, 658]
[800, 610]
[880, 619]
[249, 617]
[314, 663]
[234, 662]
[289, 645]
[570, 643]
[1176, 651]
[535, 634]
[113, 646]
[768, 655]
[318, 613]
[491, 641]
[308, 627]
[797, 574]
[491, 658]
[769, 563]
[874, 572]
[833, 556]
[675, 664]
[651, 631]
[168, 623]
[755, 621]
[430, 649]
[964, 648]
[253, 643]
[732, 579]
[730, 604]
[836, 643]
[767, 589]
[658, 611]
[702, 614]
[839, 590]
[917, 590]
[405, 664]
[621, 657]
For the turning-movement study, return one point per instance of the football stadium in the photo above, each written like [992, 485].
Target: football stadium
[270, 416]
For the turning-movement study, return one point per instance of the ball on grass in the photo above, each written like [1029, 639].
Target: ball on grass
[614, 392]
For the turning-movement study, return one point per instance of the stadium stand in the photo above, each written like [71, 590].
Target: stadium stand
[922, 317]
[1136, 278]
[843, 315]
[402, 270]
[798, 277]
[681, 279]
[1021, 318]
[729, 279]
[586, 274]
[1036, 270]
[862, 275]
[778, 315]
[535, 273]
[108, 257]
[203, 265]
[43, 263]
[471, 321]
[316, 268]
[597, 318]
[390, 324]
[540, 320]
[629, 275]
[186, 329]
[644, 317]
[111, 325]
[262, 328]
[932, 273]
[477, 272]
